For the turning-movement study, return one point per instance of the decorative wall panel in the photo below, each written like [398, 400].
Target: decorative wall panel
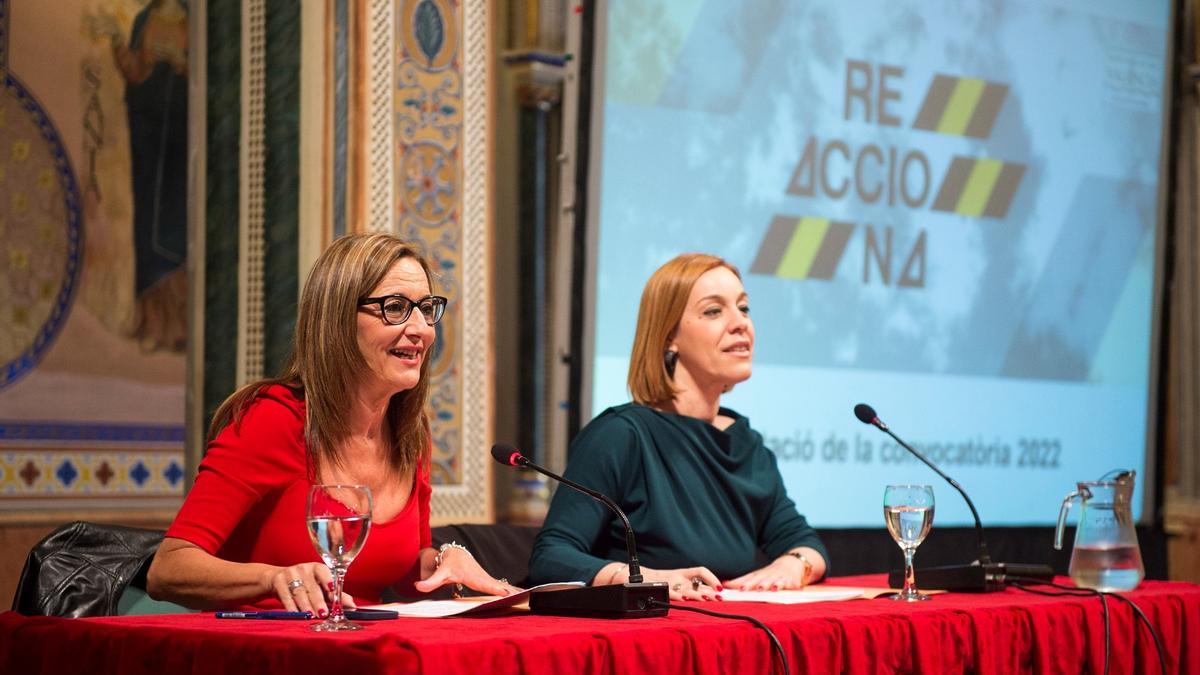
[424, 117]
[77, 466]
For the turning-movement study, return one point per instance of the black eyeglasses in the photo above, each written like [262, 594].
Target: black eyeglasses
[396, 308]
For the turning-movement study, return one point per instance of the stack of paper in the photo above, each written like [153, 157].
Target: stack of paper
[810, 594]
[432, 609]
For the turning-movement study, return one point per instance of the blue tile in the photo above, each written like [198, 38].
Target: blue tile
[173, 473]
[66, 473]
[139, 473]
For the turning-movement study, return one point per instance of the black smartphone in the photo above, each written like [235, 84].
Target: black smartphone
[371, 614]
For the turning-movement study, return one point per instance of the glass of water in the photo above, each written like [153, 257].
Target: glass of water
[339, 517]
[908, 510]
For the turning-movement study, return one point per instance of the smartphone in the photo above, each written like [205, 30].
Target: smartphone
[371, 614]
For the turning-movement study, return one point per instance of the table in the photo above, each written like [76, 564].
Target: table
[1009, 631]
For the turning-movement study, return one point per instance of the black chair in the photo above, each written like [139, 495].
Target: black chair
[83, 569]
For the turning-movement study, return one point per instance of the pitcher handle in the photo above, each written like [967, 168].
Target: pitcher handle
[1062, 519]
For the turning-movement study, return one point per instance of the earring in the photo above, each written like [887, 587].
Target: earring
[669, 359]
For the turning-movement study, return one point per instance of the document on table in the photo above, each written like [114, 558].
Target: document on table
[434, 609]
[810, 594]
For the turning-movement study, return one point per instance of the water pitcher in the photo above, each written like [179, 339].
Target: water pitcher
[1106, 555]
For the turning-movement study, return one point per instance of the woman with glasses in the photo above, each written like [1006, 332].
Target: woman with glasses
[349, 408]
[703, 494]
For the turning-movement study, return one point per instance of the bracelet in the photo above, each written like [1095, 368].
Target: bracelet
[613, 578]
[808, 566]
[437, 561]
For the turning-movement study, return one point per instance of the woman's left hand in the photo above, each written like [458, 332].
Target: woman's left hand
[785, 573]
[460, 567]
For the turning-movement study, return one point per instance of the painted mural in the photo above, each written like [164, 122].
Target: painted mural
[93, 291]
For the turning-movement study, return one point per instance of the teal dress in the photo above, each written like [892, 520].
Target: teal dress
[695, 495]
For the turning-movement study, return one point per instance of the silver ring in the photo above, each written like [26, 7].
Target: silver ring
[676, 586]
[697, 582]
[295, 584]
[503, 580]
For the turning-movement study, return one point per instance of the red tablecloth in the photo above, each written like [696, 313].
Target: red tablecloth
[1004, 632]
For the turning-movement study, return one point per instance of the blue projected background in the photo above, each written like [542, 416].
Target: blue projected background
[949, 213]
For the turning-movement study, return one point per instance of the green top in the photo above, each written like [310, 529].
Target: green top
[694, 494]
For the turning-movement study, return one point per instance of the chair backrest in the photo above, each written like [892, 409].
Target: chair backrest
[81, 569]
[501, 549]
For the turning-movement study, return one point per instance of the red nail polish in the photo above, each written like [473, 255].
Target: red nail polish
[330, 585]
[720, 587]
[720, 598]
[322, 613]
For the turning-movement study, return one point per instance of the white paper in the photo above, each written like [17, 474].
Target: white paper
[435, 609]
[792, 597]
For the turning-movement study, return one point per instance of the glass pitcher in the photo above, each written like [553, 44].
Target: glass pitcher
[1106, 556]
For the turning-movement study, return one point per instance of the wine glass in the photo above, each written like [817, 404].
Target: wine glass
[908, 510]
[339, 517]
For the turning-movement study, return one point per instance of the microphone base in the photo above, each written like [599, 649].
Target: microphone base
[972, 578]
[616, 601]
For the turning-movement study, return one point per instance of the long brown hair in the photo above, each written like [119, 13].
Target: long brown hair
[663, 300]
[326, 362]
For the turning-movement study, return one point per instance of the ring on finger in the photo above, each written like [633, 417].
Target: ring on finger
[294, 585]
[677, 587]
[697, 582]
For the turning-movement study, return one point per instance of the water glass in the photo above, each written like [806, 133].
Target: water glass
[908, 510]
[339, 517]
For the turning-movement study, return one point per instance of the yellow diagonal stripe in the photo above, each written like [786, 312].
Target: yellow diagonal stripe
[974, 197]
[802, 249]
[961, 106]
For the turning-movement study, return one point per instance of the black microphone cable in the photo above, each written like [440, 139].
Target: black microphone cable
[775, 644]
[1162, 655]
[1024, 583]
[1020, 584]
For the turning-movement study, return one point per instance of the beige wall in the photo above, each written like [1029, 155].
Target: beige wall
[1183, 555]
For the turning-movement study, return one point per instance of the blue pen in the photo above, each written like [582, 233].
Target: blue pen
[274, 614]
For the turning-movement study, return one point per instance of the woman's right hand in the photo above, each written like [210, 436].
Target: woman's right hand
[315, 587]
[688, 583]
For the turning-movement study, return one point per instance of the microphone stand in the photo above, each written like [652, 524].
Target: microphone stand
[981, 575]
[635, 569]
[984, 557]
[634, 599]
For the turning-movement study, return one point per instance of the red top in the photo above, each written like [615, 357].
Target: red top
[250, 497]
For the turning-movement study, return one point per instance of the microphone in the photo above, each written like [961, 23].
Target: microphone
[507, 454]
[866, 415]
[981, 575]
[633, 599]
